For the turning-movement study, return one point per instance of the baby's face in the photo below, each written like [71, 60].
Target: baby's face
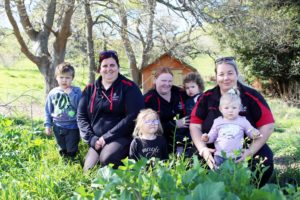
[230, 110]
[191, 89]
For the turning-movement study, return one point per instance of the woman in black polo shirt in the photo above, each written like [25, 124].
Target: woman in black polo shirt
[255, 109]
[106, 113]
[168, 101]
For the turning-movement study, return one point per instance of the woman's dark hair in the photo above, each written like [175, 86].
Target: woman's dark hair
[108, 54]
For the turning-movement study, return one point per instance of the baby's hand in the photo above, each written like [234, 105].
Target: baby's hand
[255, 134]
[68, 90]
[204, 137]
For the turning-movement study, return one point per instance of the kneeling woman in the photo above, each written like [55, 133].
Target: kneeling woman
[254, 108]
[106, 113]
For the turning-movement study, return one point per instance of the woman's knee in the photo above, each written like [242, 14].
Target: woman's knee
[91, 159]
[107, 157]
[104, 159]
[113, 154]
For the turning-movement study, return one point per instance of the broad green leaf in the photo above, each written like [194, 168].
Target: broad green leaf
[167, 184]
[208, 190]
[128, 195]
[268, 192]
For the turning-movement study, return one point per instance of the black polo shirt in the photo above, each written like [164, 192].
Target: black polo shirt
[167, 111]
[254, 108]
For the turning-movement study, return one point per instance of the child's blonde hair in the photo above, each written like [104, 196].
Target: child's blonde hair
[194, 77]
[140, 121]
[63, 68]
[232, 96]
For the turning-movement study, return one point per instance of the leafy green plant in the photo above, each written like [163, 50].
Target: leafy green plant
[31, 168]
[172, 179]
[30, 165]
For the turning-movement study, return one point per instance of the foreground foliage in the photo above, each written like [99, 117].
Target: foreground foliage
[30, 168]
[180, 180]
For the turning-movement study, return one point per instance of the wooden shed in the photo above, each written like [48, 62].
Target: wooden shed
[178, 67]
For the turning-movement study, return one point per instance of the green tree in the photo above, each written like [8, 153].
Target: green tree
[265, 37]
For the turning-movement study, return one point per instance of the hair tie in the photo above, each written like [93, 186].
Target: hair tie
[233, 91]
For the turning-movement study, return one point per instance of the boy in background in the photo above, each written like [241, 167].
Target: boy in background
[61, 109]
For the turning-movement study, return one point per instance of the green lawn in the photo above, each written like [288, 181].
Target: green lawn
[205, 66]
[22, 89]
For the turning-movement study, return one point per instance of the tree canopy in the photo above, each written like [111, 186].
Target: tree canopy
[265, 36]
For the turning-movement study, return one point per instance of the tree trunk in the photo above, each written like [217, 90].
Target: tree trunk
[134, 70]
[48, 72]
[288, 90]
[90, 42]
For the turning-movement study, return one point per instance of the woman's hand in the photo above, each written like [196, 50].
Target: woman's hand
[245, 153]
[206, 154]
[100, 143]
[183, 122]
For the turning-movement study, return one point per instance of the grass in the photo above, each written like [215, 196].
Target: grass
[205, 66]
[285, 142]
[30, 165]
[22, 89]
[31, 168]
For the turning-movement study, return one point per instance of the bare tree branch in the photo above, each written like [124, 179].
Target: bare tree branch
[49, 29]
[26, 22]
[24, 94]
[65, 30]
[149, 36]
[126, 41]
[141, 37]
[170, 5]
[24, 47]
[48, 23]
[90, 42]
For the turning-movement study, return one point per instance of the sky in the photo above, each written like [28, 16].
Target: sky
[4, 23]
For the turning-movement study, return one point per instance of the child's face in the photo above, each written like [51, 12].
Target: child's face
[150, 125]
[64, 80]
[230, 110]
[191, 89]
